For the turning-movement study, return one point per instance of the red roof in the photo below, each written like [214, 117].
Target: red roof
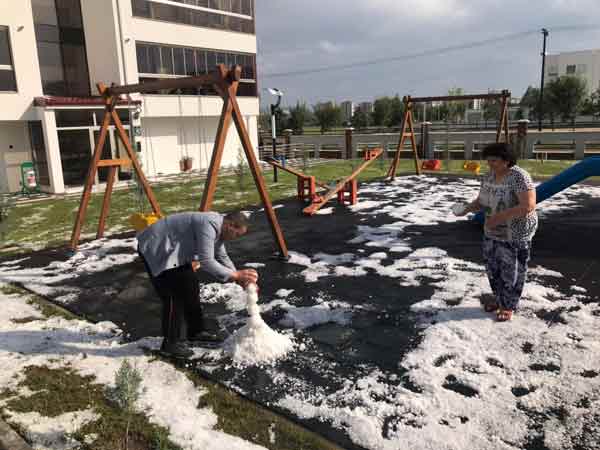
[49, 100]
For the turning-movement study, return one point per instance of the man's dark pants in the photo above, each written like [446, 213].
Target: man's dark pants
[179, 291]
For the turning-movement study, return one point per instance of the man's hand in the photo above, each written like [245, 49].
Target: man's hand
[195, 265]
[245, 277]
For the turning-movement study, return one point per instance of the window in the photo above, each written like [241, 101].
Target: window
[571, 69]
[190, 62]
[182, 11]
[8, 81]
[179, 61]
[553, 70]
[61, 47]
[155, 61]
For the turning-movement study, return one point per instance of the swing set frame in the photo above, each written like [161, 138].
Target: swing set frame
[225, 81]
[407, 130]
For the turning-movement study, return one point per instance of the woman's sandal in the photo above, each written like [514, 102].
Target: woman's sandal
[504, 315]
[490, 307]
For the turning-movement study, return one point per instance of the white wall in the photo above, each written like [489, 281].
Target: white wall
[102, 42]
[17, 15]
[591, 58]
[15, 135]
[167, 140]
[148, 30]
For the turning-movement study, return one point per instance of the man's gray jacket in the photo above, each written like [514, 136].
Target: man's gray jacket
[181, 238]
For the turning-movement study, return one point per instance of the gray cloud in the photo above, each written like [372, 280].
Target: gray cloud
[294, 36]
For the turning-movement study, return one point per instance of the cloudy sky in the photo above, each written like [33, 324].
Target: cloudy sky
[294, 36]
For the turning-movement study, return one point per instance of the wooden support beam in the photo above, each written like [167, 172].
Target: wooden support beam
[294, 172]
[114, 162]
[256, 172]
[210, 185]
[448, 98]
[112, 171]
[503, 122]
[312, 209]
[91, 175]
[407, 123]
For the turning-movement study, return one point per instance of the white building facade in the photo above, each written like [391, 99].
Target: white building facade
[53, 52]
[585, 64]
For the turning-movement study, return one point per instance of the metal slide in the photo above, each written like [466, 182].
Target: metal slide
[588, 167]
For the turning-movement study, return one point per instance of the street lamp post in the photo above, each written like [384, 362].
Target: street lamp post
[277, 93]
[541, 101]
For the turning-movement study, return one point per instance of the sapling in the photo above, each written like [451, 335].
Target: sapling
[127, 391]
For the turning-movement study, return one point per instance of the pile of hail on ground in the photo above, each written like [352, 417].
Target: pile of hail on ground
[542, 381]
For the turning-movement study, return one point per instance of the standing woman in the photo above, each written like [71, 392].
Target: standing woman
[507, 197]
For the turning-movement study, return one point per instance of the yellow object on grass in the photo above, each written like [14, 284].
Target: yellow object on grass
[140, 221]
[472, 166]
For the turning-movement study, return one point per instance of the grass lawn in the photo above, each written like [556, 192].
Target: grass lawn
[49, 223]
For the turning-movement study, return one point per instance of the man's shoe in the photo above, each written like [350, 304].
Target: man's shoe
[176, 350]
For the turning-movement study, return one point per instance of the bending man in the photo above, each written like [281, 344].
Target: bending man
[172, 249]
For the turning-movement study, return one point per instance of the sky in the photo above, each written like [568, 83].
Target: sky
[296, 36]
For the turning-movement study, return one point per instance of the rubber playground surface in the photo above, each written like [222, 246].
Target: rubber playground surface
[393, 349]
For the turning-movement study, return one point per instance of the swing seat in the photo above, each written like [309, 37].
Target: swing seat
[472, 166]
[140, 221]
[432, 164]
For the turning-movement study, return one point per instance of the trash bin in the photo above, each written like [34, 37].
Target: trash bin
[29, 182]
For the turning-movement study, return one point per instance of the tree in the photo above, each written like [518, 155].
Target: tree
[328, 115]
[396, 112]
[530, 100]
[491, 110]
[566, 95]
[591, 105]
[382, 109]
[299, 115]
[361, 119]
[456, 109]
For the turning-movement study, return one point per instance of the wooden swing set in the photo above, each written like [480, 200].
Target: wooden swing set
[225, 82]
[407, 130]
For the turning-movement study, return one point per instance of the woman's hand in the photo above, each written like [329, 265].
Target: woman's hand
[493, 221]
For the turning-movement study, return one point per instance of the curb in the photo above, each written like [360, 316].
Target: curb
[10, 440]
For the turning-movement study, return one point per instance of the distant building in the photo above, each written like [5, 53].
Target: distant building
[585, 64]
[347, 110]
[366, 107]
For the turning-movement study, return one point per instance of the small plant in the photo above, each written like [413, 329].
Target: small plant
[127, 391]
[240, 168]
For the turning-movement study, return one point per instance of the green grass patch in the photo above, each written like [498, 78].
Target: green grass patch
[45, 307]
[49, 223]
[59, 391]
[250, 421]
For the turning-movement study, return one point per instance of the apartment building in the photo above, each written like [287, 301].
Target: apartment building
[585, 64]
[53, 52]
[347, 111]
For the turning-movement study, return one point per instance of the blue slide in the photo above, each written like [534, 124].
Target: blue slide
[588, 167]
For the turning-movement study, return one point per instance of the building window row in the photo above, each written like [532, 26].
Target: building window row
[8, 81]
[244, 7]
[162, 61]
[166, 60]
[184, 14]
